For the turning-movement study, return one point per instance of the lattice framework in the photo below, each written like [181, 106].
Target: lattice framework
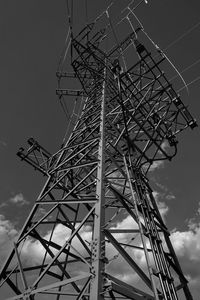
[129, 120]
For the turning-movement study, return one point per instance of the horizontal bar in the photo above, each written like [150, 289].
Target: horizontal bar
[68, 92]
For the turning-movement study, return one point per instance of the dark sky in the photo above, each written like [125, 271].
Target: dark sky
[32, 34]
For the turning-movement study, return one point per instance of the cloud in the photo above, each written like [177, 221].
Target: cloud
[198, 210]
[156, 165]
[162, 195]
[33, 251]
[19, 200]
[162, 206]
[159, 163]
[170, 196]
[8, 234]
[187, 247]
[187, 243]
[3, 204]
[165, 145]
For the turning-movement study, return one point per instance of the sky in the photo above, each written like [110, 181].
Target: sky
[32, 35]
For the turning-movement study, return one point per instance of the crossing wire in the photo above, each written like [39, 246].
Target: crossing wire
[182, 36]
[71, 117]
[158, 48]
[187, 68]
[64, 51]
[179, 74]
[167, 47]
[189, 83]
[70, 15]
[116, 39]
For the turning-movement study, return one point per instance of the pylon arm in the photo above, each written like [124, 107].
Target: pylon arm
[68, 92]
[69, 75]
[37, 156]
[123, 45]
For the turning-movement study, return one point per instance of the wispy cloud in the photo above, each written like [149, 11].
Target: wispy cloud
[162, 193]
[198, 210]
[3, 204]
[162, 206]
[19, 200]
[3, 143]
[158, 164]
[170, 196]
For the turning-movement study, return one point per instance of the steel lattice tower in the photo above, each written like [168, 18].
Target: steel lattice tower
[98, 177]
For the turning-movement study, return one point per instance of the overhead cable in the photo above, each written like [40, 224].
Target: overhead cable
[65, 50]
[103, 12]
[189, 83]
[116, 39]
[69, 14]
[182, 36]
[187, 68]
[159, 49]
[86, 12]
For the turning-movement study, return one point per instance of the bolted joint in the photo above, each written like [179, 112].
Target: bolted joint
[116, 68]
[105, 260]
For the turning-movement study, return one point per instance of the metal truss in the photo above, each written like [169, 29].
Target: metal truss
[129, 120]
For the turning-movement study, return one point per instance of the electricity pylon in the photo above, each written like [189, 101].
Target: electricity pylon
[76, 232]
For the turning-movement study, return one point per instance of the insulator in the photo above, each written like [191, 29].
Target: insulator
[31, 141]
[20, 152]
[177, 101]
[193, 124]
[171, 138]
[139, 47]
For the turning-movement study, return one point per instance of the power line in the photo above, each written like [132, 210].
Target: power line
[187, 68]
[157, 47]
[188, 84]
[86, 12]
[182, 36]
[69, 14]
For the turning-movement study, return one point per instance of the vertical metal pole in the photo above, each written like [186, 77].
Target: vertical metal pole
[98, 241]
